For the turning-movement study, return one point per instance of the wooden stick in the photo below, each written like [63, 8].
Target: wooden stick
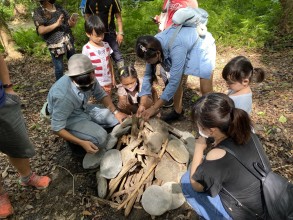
[130, 205]
[124, 191]
[104, 201]
[134, 144]
[145, 152]
[123, 182]
[140, 192]
[148, 126]
[144, 177]
[113, 183]
[119, 144]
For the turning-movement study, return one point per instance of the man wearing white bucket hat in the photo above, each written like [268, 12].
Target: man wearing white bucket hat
[72, 118]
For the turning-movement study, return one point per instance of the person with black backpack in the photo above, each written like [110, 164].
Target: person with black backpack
[225, 183]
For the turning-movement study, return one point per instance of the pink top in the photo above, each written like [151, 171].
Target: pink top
[174, 5]
[124, 92]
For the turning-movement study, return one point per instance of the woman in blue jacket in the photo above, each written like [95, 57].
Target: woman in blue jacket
[179, 53]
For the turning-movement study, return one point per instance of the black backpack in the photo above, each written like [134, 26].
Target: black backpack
[277, 190]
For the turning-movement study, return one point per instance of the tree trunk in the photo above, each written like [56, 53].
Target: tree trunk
[7, 41]
[287, 17]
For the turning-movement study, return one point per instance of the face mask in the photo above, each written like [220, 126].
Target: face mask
[202, 134]
[52, 1]
[85, 88]
[132, 88]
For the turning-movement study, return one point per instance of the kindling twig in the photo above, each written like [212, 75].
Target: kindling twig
[288, 165]
[72, 178]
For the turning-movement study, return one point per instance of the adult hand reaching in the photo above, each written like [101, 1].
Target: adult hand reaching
[146, 114]
[140, 110]
[89, 147]
[120, 116]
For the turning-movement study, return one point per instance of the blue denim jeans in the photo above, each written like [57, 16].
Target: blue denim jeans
[110, 38]
[205, 206]
[58, 62]
[93, 130]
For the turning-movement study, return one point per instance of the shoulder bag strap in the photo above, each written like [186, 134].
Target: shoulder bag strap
[240, 161]
[238, 203]
[257, 145]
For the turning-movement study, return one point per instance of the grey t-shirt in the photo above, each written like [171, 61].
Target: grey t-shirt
[243, 101]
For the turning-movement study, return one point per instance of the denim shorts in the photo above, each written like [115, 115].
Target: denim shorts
[14, 140]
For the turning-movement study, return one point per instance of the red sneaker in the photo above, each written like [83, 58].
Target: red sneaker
[40, 182]
[5, 206]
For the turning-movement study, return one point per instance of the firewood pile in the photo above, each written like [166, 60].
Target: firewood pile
[145, 168]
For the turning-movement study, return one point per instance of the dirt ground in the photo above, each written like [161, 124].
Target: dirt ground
[70, 196]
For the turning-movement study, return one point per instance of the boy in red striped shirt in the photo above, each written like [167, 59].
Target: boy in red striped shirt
[99, 53]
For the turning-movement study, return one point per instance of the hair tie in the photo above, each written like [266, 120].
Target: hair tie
[121, 72]
[144, 49]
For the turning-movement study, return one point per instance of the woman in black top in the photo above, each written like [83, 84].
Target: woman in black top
[53, 23]
[217, 117]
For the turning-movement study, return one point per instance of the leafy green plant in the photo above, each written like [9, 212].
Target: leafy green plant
[28, 41]
[235, 23]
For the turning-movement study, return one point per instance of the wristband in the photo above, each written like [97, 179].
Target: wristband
[115, 112]
[6, 86]
[121, 33]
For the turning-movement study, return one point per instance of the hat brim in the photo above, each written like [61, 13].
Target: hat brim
[79, 74]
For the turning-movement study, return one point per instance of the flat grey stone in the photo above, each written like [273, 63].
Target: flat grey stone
[178, 151]
[111, 164]
[167, 169]
[111, 141]
[177, 196]
[155, 200]
[190, 139]
[154, 142]
[102, 185]
[119, 130]
[92, 161]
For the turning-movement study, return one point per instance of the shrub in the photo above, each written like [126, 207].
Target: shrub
[237, 23]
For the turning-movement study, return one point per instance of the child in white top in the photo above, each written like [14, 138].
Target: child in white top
[238, 73]
[99, 52]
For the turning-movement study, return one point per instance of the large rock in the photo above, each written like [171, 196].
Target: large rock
[177, 196]
[167, 169]
[111, 164]
[156, 201]
[102, 185]
[190, 142]
[92, 161]
[160, 127]
[154, 142]
[178, 151]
